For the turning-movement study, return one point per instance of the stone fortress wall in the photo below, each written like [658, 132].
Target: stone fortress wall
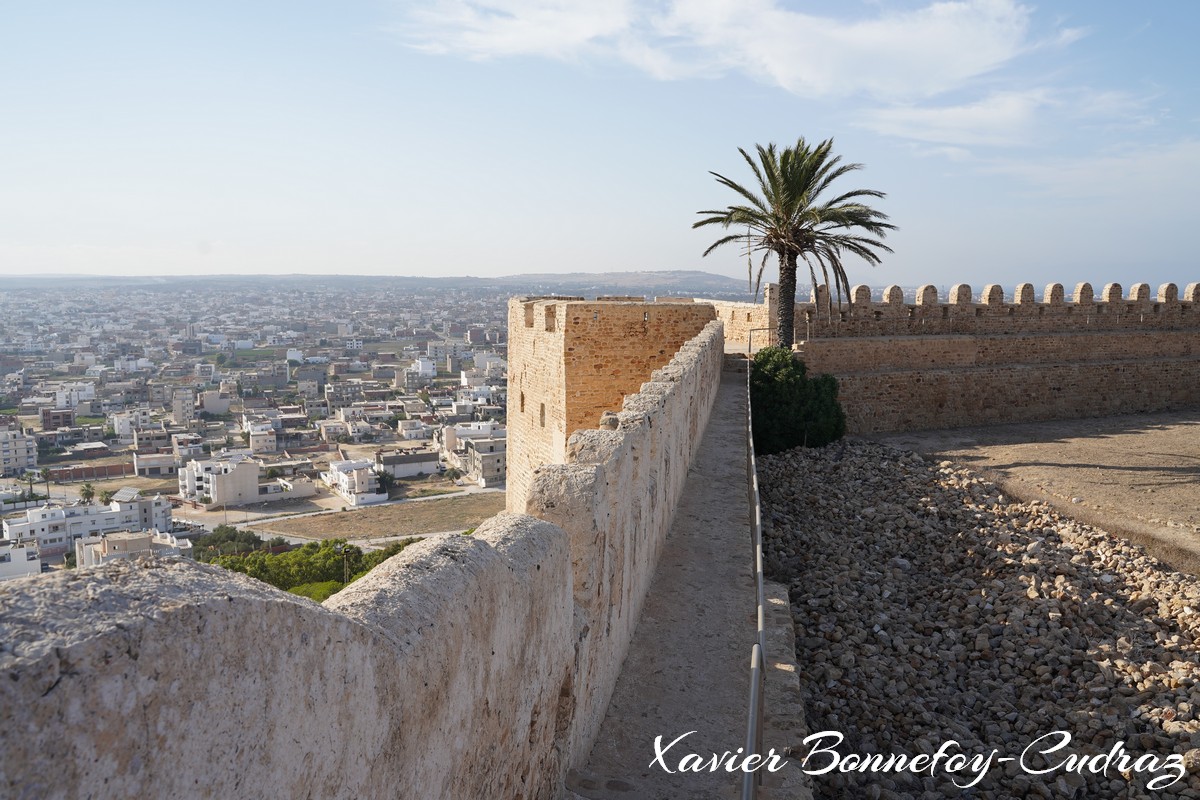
[473, 666]
[978, 360]
[749, 325]
[571, 360]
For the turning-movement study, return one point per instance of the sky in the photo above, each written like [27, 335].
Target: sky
[1048, 142]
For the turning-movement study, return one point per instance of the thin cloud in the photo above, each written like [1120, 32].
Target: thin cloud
[1001, 119]
[1165, 175]
[496, 28]
[894, 55]
[1032, 117]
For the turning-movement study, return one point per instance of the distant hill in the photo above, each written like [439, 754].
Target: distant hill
[664, 279]
[649, 283]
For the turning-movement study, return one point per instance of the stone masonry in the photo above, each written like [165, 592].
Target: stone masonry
[572, 360]
[982, 359]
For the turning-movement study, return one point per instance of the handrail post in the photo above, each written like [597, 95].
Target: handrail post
[755, 712]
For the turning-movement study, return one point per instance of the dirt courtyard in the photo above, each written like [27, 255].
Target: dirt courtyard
[1135, 475]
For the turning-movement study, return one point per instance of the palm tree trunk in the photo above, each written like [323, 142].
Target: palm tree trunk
[787, 300]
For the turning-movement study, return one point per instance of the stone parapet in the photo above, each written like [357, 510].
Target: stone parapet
[445, 672]
[989, 312]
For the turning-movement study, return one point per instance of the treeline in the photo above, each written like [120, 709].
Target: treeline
[315, 570]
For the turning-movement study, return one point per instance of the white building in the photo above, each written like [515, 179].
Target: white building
[70, 395]
[55, 527]
[227, 480]
[424, 367]
[452, 436]
[95, 550]
[355, 481]
[482, 395]
[412, 429]
[124, 423]
[18, 453]
[471, 377]
[19, 559]
[263, 438]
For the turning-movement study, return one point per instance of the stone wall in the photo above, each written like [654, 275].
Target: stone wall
[570, 360]
[749, 325]
[440, 674]
[990, 313]
[978, 360]
[616, 497]
[464, 667]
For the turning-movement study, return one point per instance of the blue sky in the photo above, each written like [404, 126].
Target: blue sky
[1016, 141]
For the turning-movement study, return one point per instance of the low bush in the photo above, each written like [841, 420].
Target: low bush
[791, 409]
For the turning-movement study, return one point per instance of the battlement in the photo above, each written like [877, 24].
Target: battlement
[986, 359]
[990, 311]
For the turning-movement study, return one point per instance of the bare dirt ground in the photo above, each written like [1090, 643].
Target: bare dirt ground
[424, 516]
[1135, 475]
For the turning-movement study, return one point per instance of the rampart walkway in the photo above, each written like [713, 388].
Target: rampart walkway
[688, 667]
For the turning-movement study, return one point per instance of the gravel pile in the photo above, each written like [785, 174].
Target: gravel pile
[929, 608]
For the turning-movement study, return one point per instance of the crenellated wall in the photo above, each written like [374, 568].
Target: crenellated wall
[473, 666]
[989, 312]
[983, 359]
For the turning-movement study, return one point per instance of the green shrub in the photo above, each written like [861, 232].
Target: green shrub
[790, 409]
[317, 591]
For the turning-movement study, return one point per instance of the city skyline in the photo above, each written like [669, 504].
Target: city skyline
[1016, 142]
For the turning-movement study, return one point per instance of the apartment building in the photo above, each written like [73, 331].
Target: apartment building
[55, 418]
[56, 527]
[71, 395]
[230, 479]
[18, 453]
[183, 406]
[485, 461]
[125, 422]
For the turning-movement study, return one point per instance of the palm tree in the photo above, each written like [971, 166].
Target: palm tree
[87, 492]
[45, 473]
[787, 217]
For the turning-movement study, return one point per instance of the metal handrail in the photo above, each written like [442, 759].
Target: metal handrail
[758, 666]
